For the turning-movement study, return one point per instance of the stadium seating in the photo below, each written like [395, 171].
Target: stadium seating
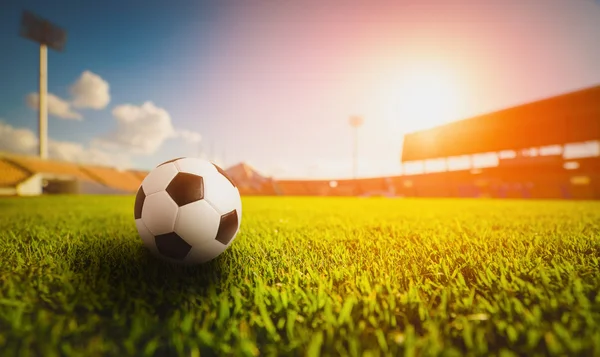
[372, 186]
[122, 180]
[546, 179]
[343, 188]
[139, 174]
[11, 175]
[35, 165]
[315, 188]
[292, 188]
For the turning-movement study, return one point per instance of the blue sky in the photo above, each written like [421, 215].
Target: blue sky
[273, 83]
[137, 49]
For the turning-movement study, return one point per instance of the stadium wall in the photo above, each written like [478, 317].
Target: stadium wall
[546, 179]
[524, 182]
[30, 187]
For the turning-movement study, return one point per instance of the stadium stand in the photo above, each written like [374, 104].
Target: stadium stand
[564, 121]
[343, 188]
[373, 187]
[35, 165]
[27, 175]
[526, 173]
[139, 174]
[292, 188]
[568, 118]
[11, 178]
[558, 121]
[122, 180]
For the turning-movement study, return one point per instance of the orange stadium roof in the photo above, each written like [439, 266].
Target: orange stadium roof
[35, 165]
[572, 117]
[11, 175]
[16, 168]
[122, 180]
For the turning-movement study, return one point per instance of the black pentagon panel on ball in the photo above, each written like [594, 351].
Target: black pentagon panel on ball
[222, 172]
[139, 203]
[186, 188]
[166, 162]
[227, 227]
[172, 246]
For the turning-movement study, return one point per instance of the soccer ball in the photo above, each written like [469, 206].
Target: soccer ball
[187, 211]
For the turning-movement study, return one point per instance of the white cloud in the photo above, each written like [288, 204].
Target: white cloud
[90, 91]
[24, 141]
[57, 107]
[143, 129]
[140, 129]
[17, 140]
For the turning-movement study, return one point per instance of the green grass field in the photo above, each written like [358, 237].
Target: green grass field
[336, 276]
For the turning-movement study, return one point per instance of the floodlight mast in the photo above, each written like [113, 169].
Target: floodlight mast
[355, 122]
[47, 35]
[43, 102]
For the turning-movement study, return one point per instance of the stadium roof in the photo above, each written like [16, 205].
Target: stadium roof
[572, 117]
[11, 175]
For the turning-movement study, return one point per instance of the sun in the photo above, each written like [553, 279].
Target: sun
[421, 98]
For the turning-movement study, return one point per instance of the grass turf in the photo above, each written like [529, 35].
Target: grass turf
[306, 275]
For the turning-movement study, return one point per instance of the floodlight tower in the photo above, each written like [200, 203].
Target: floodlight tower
[355, 122]
[47, 35]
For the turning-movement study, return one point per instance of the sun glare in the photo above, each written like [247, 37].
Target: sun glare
[421, 98]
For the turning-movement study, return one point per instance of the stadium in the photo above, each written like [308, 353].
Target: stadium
[484, 242]
[546, 149]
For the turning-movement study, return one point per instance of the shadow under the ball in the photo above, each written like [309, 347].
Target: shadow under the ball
[128, 278]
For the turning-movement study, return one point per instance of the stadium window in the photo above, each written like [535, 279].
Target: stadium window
[435, 165]
[550, 150]
[571, 165]
[580, 150]
[459, 163]
[580, 180]
[533, 152]
[412, 167]
[485, 160]
[507, 154]
[530, 152]
[594, 147]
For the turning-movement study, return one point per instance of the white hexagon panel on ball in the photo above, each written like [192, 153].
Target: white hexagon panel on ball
[187, 211]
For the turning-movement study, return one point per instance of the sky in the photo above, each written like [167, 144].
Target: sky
[273, 83]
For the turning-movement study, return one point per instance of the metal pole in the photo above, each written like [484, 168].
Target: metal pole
[43, 103]
[355, 154]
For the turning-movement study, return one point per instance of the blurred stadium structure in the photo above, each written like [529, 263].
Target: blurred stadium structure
[545, 149]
